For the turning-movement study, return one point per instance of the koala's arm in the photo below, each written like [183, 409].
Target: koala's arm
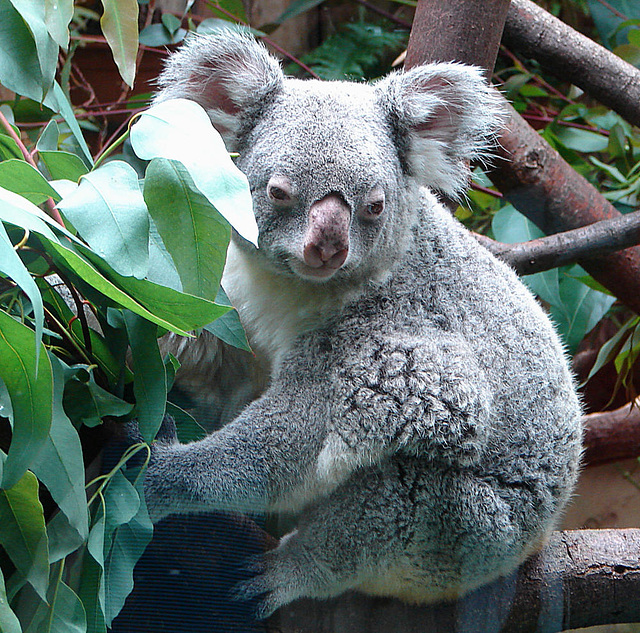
[426, 395]
[324, 416]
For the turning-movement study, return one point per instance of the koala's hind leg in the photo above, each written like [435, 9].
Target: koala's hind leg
[356, 532]
[403, 529]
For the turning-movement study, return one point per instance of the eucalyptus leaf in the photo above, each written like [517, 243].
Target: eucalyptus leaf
[64, 613]
[92, 589]
[129, 531]
[30, 385]
[119, 24]
[581, 140]
[20, 69]
[12, 266]
[228, 327]
[57, 16]
[192, 230]
[63, 165]
[179, 129]
[8, 619]
[510, 226]
[23, 534]
[21, 178]
[109, 212]
[33, 13]
[60, 466]
[149, 379]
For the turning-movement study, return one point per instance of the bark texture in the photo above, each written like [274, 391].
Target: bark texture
[581, 578]
[573, 57]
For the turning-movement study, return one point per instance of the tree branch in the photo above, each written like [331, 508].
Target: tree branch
[588, 242]
[573, 57]
[612, 435]
[542, 186]
[552, 591]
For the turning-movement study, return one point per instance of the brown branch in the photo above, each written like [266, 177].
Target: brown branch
[581, 578]
[568, 247]
[612, 435]
[573, 57]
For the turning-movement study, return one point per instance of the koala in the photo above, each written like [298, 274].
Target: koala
[418, 415]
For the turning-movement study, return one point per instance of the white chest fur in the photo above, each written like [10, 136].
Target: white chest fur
[275, 309]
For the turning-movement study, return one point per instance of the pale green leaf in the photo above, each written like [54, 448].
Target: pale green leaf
[11, 265]
[63, 165]
[32, 12]
[179, 129]
[108, 211]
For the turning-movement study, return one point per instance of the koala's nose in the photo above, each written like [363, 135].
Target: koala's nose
[327, 239]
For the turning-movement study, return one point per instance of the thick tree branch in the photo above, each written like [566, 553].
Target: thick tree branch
[588, 242]
[611, 436]
[573, 57]
[546, 189]
[581, 578]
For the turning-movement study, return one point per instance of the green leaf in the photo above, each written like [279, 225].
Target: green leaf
[33, 13]
[187, 426]
[21, 178]
[171, 22]
[63, 165]
[193, 231]
[149, 378]
[63, 106]
[228, 327]
[179, 129]
[296, 8]
[119, 24]
[510, 226]
[109, 212]
[23, 534]
[31, 388]
[581, 140]
[8, 619]
[57, 16]
[60, 466]
[63, 538]
[48, 139]
[580, 310]
[157, 35]
[87, 403]
[162, 269]
[64, 613]
[11, 265]
[92, 589]
[128, 531]
[19, 62]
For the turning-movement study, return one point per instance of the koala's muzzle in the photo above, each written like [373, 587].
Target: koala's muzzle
[326, 243]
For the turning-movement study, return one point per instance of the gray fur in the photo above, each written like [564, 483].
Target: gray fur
[420, 416]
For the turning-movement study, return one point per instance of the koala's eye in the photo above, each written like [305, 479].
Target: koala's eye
[279, 191]
[374, 205]
[278, 194]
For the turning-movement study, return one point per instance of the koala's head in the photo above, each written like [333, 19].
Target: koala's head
[334, 166]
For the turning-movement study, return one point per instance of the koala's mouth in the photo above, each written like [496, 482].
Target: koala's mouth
[310, 273]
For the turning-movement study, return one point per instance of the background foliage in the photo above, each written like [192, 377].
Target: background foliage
[101, 256]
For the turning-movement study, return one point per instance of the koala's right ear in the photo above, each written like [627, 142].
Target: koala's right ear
[226, 72]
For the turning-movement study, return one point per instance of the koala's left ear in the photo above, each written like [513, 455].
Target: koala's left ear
[450, 116]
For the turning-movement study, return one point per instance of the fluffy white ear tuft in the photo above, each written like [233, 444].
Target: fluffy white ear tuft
[450, 116]
[227, 72]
